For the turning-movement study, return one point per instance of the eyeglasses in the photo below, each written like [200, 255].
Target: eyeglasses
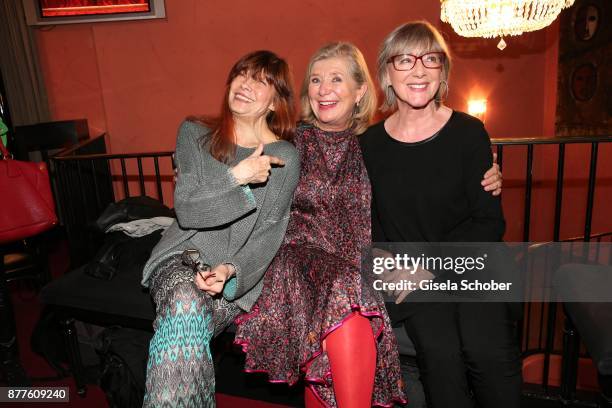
[405, 62]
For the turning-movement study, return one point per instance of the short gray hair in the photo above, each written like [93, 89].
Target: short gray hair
[413, 36]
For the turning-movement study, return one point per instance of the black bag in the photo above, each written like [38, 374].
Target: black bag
[122, 254]
[48, 341]
[105, 262]
[124, 354]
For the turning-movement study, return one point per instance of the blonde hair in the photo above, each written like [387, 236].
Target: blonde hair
[410, 37]
[364, 111]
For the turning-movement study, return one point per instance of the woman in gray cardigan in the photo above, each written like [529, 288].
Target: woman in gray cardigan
[232, 206]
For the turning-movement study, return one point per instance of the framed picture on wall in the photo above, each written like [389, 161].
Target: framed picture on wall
[45, 12]
[584, 83]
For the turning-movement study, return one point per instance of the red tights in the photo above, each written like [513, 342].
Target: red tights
[351, 350]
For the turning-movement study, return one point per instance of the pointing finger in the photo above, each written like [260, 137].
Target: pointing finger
[276, 160]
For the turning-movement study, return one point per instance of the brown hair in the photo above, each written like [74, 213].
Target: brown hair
[410, 37]
[221, 139]
[358, 70]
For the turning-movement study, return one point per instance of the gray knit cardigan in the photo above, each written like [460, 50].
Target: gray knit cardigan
[227, 222]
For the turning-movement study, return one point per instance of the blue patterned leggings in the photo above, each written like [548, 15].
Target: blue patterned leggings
[180, 371]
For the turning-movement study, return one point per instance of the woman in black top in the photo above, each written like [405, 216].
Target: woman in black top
[425, 163]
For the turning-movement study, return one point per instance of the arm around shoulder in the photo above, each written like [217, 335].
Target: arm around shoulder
[486, 222]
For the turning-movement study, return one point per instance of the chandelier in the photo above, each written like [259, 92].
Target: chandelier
[500, 18]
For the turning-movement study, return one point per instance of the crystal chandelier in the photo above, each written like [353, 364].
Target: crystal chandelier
[500, 18]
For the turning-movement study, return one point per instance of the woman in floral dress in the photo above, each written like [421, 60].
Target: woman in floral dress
[316, 317]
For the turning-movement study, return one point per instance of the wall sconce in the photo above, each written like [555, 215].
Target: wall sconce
[478, 108]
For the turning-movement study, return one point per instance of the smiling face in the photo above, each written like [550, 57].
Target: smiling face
[251, 96]
[333, 93]
[416, 87]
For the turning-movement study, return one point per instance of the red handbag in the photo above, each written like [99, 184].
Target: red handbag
[26, 201]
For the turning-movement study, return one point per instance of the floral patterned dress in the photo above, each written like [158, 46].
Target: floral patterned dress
[314, 282]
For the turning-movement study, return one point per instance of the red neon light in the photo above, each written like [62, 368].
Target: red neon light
[55, 8]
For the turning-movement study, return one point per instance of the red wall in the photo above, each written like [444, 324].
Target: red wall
[137, 80]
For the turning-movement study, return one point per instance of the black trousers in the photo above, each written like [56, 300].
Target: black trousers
[467, 354]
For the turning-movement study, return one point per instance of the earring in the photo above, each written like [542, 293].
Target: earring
[440, 98]
[445, 82]
[356, 108]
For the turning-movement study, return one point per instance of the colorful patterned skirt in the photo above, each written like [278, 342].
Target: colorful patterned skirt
[307, 294]
[180, 370]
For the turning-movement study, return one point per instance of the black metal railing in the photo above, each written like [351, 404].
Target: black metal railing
[546, 329]
[90, 179]
[561, 142]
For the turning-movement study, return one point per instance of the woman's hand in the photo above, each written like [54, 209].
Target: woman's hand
[255, 168]
[492, 179]
[174, 168]
[213, 281]
[405, 275]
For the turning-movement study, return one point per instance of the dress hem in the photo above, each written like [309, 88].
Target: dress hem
[243, 344]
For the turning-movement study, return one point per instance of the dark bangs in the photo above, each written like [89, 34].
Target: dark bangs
[221, 140]
[267, 66]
